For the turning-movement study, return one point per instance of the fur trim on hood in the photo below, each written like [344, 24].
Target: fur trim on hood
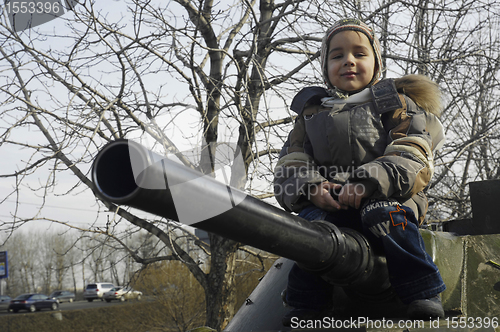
[422, 90]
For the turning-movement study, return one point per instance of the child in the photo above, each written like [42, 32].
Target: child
[371, 143]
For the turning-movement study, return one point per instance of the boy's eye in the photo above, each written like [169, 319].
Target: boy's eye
[340, 56]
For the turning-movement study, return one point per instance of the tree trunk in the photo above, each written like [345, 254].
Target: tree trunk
[220, 295]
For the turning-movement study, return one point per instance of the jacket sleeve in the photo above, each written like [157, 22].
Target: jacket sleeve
[295, 170]
[407, 164]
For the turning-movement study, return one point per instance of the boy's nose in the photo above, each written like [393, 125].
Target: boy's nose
[349, 61]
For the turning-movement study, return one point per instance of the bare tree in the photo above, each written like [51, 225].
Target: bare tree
[61, 243]
[47, 258]
[194, 73]
[178, 293]
[465, 62]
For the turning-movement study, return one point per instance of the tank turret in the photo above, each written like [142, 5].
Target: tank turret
[126, 173]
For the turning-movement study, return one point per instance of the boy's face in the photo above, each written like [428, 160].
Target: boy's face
[351, 61]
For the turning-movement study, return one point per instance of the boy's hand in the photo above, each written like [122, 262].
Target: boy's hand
[353, 193]
[320, 196]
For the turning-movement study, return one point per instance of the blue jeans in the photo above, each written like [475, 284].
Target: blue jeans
[391, 229]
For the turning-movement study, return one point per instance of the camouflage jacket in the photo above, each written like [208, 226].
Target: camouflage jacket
[380, 136]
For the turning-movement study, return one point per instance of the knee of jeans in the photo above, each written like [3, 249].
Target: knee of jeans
[313, 213]
[375, 212]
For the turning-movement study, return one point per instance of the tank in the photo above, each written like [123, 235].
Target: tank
[126, 173]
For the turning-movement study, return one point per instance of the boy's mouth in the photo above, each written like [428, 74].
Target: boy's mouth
[349, 74]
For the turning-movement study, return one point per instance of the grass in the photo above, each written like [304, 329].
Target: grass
[136, 316]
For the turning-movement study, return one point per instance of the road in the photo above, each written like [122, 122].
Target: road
[74, 306]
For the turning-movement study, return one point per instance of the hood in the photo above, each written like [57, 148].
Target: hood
[422, 90]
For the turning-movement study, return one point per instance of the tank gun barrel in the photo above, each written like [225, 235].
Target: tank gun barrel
[125, 172]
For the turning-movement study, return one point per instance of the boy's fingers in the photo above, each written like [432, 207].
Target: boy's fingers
[330, 200]
[329, 186]
[344, 195]
[349, 197]
[335, 186]
[358, 201]
[333, 189]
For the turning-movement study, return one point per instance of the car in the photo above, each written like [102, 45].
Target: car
[62, 296]
[4, 302]
[32, 302]
[122, 293]
[96, 290]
